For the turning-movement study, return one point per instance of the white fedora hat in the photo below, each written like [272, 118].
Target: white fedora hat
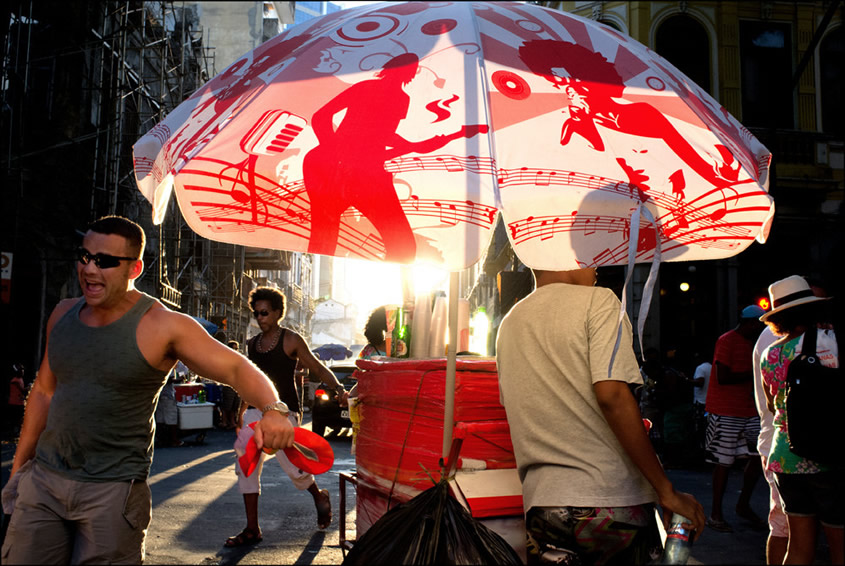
[790, 292]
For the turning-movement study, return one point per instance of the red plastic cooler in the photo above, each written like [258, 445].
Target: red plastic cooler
[400, 440]
[184, 391]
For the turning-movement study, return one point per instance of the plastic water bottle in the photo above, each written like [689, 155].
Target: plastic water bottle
[678, 541]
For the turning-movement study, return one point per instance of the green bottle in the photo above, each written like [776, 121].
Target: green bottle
[405, 332]
[401, 335]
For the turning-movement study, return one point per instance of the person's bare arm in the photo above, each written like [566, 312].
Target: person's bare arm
[770, 399]
[296, 347]
[239, 422]
[623, 415]
[206, 356]
[40, 396]
[727, 377]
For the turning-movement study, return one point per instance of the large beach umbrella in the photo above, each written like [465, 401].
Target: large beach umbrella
[332, 352]
[400, 131]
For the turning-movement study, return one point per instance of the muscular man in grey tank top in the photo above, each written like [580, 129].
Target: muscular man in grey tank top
[78, 485]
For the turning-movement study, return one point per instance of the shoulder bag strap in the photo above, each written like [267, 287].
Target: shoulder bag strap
[809, 347]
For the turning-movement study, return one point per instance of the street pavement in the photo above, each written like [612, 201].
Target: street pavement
[196, 505]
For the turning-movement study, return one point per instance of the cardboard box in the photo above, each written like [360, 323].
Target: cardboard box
[195, 415]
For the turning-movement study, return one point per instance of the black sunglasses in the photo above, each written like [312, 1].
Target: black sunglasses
[103, 261]
[260, 313]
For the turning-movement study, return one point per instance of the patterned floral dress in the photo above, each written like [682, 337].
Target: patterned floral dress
[774, 365]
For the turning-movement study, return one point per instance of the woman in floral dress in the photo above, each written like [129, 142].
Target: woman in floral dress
[811, 492]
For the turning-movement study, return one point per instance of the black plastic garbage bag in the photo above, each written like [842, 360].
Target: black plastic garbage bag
[431, 528]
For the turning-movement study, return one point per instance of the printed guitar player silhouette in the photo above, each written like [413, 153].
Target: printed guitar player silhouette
[347, 169]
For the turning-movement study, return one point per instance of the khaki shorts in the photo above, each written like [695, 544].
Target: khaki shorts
[62, 521]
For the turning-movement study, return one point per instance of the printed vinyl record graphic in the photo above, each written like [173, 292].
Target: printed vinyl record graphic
[399, 131]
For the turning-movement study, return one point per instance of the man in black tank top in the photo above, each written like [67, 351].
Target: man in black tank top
[276, 351]
[78, 487]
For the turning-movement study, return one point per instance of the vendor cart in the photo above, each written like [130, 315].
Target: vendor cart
[193, 416]
[398, 452]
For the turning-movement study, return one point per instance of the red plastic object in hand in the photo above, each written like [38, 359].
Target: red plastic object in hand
[316, 443]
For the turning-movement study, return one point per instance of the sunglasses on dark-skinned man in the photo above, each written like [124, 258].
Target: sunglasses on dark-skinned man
[260, 313]
[103, 261]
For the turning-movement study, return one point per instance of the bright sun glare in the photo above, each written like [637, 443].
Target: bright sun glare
[371, 284]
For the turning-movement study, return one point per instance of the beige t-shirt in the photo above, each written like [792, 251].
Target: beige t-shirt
[550, 350]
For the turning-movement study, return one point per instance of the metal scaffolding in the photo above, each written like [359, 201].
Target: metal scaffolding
[78, 88]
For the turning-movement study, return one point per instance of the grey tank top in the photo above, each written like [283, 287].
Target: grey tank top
[100, 426]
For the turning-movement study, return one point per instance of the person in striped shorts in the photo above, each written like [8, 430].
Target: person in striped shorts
[733, 424]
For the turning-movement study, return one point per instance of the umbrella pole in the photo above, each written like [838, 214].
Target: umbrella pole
[451, 363]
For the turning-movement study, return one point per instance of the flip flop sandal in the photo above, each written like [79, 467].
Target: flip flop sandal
[244, 538]
[720, 526]
[324, 510]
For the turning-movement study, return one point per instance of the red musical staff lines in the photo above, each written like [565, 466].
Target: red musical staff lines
[451, 212]
[143, 166]
[451, 163]
[708, 221]
[284, 208]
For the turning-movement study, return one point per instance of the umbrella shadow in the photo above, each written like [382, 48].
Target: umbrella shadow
[601, 228]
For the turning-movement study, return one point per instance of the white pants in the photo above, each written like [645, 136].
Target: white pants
[252, 484]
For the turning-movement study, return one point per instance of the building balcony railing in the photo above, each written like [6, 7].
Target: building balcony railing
[170, 295]
[793, 147]
[295, 293]
[270, 260]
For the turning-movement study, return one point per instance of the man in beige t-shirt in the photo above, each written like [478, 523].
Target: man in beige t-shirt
[587, 467]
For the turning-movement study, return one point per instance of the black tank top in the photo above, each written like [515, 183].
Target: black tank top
[279, 367]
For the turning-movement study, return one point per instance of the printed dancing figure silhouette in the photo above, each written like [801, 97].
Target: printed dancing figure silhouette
[346, 168]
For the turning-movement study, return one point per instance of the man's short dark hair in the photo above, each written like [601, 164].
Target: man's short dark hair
[277, 299]
[121, 226]
[234, 344]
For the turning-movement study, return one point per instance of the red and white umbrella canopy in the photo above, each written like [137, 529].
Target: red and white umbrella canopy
[398, 131]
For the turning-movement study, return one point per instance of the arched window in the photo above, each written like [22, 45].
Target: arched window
[683, 42]
[831, 79]
[766, 64]
[610, 23]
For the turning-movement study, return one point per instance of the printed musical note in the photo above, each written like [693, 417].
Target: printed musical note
[448, 213]
[617, 224]
[548, 233]
[543, 178]
[450, 163]
[589, 229]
